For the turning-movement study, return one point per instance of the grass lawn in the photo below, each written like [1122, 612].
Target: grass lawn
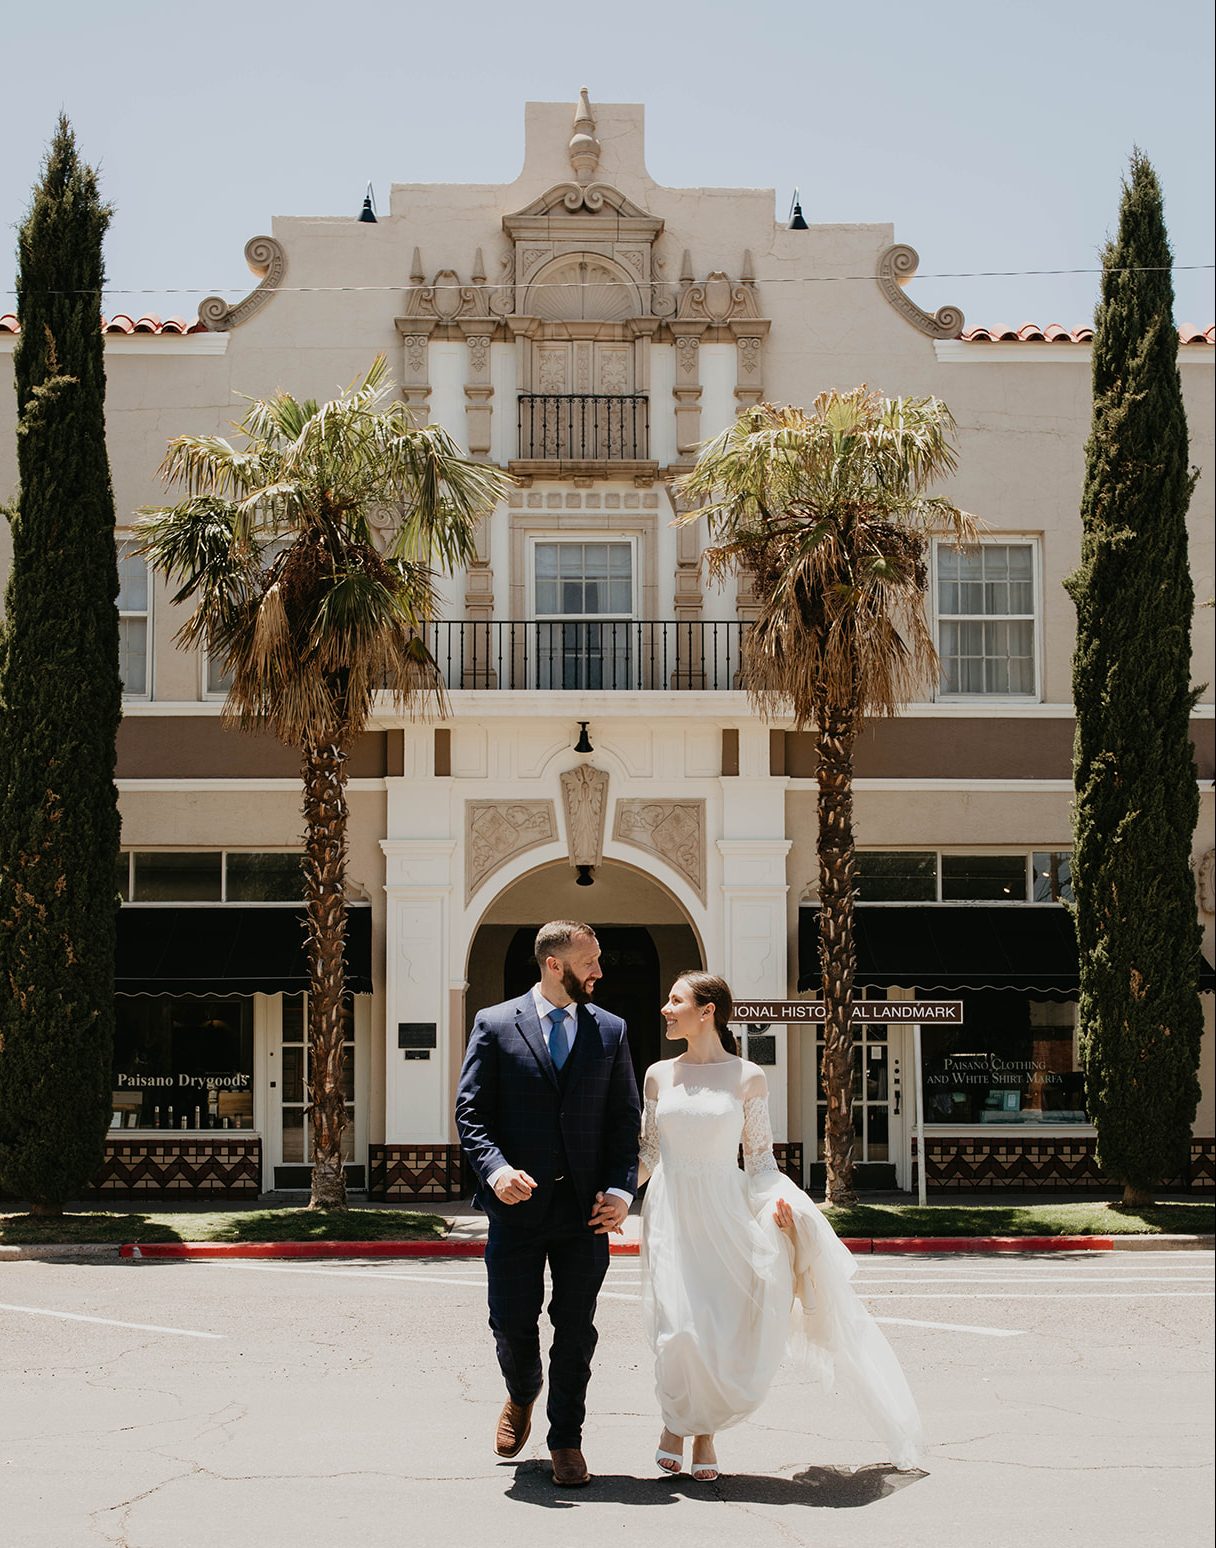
[244, 1225]
[1090, 1218]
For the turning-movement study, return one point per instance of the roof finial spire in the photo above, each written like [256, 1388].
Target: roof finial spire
[584, 147]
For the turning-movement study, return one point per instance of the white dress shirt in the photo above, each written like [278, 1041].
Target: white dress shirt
[544, 1009]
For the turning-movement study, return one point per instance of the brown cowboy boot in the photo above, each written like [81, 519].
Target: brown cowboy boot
[514, 1427]
[569, 1468]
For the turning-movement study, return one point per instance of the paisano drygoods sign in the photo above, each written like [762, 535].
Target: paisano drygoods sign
[912, 1012]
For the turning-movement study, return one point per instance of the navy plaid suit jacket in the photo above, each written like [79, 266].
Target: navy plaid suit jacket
[513, 1110]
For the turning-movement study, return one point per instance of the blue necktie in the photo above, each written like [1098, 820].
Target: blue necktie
[559, 1043]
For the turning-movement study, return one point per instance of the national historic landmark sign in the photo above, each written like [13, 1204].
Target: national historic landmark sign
[920, 1012]
[757, 1016]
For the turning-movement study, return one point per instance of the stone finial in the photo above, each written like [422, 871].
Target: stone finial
[417, 277]
[584, 147]
[479, 268]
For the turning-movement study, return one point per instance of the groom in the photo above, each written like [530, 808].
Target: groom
[547, 1112]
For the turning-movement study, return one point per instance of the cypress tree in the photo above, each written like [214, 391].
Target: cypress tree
[60, 704]
[1136, 793]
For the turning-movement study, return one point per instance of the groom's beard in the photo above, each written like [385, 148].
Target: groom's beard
[578, 991]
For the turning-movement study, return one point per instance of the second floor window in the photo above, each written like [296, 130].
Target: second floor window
[133, 620]
[986, 619]
[583, 606]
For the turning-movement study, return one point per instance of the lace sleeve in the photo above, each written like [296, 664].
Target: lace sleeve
[648, 1151]
[758, 1155]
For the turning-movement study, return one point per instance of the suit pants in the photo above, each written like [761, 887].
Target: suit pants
[516, 1255]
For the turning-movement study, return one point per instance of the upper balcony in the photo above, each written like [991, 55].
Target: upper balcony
[620, 655]
[588, 434]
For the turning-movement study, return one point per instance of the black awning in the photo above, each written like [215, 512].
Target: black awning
[941, 949]
[226, 950]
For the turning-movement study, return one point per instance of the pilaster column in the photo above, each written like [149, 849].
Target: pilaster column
[749, 333]
[687, 390]
[754, 887]
[415, 333]
[478, 392]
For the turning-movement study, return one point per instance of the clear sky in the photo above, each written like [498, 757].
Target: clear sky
[994, 136]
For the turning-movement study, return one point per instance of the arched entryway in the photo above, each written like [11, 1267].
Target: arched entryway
[646, 939]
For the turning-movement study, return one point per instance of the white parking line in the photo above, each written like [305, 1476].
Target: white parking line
[954, 1327]
[1031, 1295]
[109, 1322]
[1061, 1279]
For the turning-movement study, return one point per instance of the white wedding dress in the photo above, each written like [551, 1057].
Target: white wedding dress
[727, 1293]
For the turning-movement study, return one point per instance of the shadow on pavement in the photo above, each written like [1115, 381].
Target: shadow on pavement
[833, 1488]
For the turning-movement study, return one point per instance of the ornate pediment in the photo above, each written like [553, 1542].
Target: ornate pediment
[579, 202]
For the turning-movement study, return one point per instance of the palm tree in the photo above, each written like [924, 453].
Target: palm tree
[310, 554]
[830, 515]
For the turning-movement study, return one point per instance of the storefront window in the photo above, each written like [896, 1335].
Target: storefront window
[183, 1063]
[897, 876]
[263, 878]
[1013, 1061]
[1053, 877]
[984, 878]
[175, 876]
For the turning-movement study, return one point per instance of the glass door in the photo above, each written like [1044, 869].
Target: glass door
[880, 1095]
[294, 1162]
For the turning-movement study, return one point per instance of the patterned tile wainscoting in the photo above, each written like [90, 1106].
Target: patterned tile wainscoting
[411, 1173]
[191, 1169]
[1068, 1163]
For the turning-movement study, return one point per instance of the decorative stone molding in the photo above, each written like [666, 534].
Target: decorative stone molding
[717, 299]
[673, 830]
[584, 147]
[447, 299]
[896, 266]
[497, 831]
[1205, 876]
[585, 801]
[687, 390]
[266, 259]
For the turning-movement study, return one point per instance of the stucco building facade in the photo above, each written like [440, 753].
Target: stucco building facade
[585, 328]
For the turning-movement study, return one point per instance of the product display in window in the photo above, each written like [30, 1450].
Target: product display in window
[182, 1063]
[1013, 1061]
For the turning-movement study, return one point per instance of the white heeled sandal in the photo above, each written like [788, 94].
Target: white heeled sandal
[704, 1472]
[676, 1457]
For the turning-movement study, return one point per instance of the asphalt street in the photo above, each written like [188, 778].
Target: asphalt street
[286, 1405]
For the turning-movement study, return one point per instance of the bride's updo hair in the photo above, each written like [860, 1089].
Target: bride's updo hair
[709, 989]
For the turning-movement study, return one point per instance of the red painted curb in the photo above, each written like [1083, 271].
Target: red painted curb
[463, 1247]
[437, 1249]
[991, 1244]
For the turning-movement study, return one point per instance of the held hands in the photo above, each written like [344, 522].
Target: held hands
[609, 1214]
[784, 1216]
[514, 1187]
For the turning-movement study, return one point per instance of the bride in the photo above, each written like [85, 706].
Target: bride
[728, 1255]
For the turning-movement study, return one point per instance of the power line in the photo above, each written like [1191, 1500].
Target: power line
[787, 279]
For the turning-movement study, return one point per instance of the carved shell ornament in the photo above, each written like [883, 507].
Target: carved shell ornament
[896, 266]
[266, 259]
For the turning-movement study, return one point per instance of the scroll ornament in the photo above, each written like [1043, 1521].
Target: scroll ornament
[266, 259]
[896, 266]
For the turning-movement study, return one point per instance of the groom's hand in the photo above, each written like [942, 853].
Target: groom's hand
[609, 1213]
[514, 1187]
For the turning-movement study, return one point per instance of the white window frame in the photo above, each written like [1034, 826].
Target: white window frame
[1027, 900]
[223, 900]
[993, 540]
[608, 539]
[128, 540]
[212, 695]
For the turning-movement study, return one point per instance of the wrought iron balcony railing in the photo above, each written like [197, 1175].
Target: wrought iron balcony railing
[626, 655]
[575, 426]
